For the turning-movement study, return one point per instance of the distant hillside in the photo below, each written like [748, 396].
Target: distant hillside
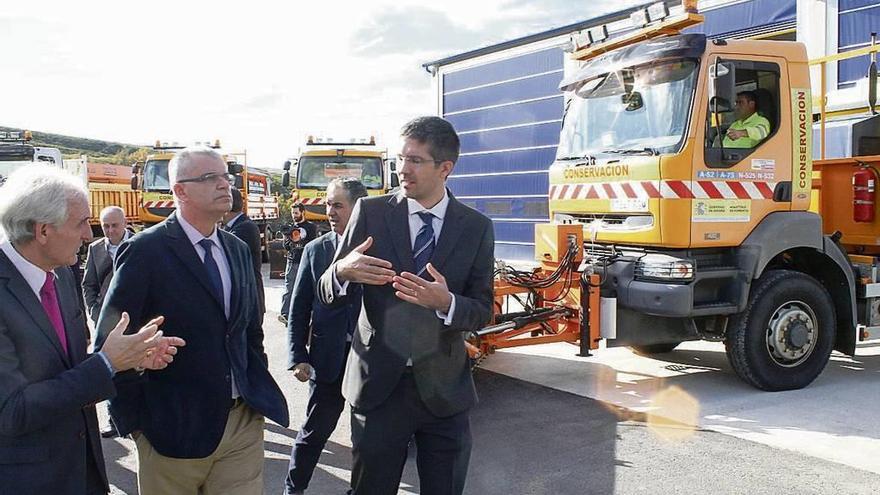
[98, 151]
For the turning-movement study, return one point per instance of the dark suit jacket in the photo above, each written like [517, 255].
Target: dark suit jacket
[96, 281]
[47, 412]
[182, 410]
[329, 326]
[247, 230]
[391, 330]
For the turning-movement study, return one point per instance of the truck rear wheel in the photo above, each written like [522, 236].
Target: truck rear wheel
[651, 349]
[783, 339]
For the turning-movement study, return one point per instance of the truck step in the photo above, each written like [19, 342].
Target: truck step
[716, 308]
[719, 272]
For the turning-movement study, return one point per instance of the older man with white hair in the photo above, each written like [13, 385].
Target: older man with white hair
[198, 425]
[48, 383]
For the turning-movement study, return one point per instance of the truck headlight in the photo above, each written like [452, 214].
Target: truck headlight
[664, 267]
[563, 218]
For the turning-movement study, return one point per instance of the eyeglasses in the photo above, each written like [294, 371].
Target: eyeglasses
[414, 160]
[209, 177]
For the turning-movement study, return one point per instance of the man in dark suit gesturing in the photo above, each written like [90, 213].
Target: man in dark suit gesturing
[329, 332]
[198, 425]
[424, 261]
[241, 226]
[48, 384]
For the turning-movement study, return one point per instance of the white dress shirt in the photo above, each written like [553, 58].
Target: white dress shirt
[113, 248]
[219, 255]
[32, 274]
[415, 225]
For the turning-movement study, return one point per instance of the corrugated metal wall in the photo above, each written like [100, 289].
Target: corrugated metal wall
[857, 19]
[508, 114]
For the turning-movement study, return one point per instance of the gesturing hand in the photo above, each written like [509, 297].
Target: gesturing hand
[414, 289]
[147, 348]
[163, 354]
[362, 269]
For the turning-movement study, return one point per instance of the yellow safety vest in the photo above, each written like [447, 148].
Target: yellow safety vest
[757, 127]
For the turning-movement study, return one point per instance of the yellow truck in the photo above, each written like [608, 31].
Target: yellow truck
[324, 159]
[157, 202]
[665, 229]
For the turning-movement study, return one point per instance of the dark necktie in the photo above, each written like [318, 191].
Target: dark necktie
[424, 245]
[49, 298]
[213, 269]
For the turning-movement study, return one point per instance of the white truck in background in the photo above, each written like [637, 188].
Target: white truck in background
[16, 151]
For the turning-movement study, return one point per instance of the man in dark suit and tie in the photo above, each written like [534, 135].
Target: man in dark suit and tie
[328, 332]
[425, 263]
[241, 226]
[99, 262]
[49, 385]
[198, 425]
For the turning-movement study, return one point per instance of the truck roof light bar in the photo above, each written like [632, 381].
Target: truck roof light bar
[313, 141]
[639, 18]
[657, 11]
[598, 34]
[15, 136]
[165, 145]
[666, 27]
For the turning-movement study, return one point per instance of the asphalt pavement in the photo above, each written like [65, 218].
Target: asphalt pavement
[536, 432]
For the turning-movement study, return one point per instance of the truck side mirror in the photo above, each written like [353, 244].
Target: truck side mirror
[285, 178]
[286, 165]
[234, 168]
[395, 180]
[135, 174]
[872, 78]
[392, 164]
[872, 87]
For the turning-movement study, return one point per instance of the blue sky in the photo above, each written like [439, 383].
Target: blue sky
[258, 75]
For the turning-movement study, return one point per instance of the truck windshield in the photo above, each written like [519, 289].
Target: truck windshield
[642, 109]
[318, 171]
[156, 175]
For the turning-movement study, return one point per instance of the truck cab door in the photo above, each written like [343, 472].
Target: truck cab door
[745, 169]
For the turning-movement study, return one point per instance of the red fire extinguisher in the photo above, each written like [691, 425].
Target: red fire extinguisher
[864, 182]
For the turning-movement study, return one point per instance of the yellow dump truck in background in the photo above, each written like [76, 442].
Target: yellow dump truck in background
[157, 202]
[323, 160]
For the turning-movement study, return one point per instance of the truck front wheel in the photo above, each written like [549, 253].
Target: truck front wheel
[784, 337]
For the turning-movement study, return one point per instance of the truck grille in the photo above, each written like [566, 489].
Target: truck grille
[609, 221]
[317, 209]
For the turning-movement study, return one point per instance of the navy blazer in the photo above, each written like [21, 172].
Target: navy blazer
[248, 231]
[182, 409]
[47, 398]
[329, 326]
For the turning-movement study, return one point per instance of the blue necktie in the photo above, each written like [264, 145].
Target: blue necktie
[213, 269]
[424, 246]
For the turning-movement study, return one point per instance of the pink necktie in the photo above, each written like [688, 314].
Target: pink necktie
[49, 298]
